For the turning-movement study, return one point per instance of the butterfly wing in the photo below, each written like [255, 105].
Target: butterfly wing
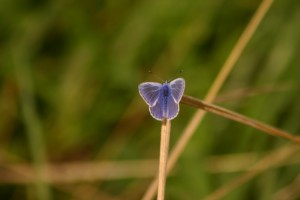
[163, 104]
[150, 92]
[165, 107]
[156, 111]
[172, 108]
[177, 88]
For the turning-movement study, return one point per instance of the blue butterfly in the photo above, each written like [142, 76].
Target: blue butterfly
[163, 99]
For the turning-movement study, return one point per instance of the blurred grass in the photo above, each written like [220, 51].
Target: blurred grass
[85, 60]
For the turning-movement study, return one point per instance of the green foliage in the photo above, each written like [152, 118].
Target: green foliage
[69, 72]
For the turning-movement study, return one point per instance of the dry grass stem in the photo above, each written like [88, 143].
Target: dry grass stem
[163, 157]
[239, 118]
[79, 172]
[240, 162]
[289, 192]
[219, 81]
[276, 157]
[244, 93]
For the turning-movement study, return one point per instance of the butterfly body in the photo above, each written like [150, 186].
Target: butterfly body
[163, 99]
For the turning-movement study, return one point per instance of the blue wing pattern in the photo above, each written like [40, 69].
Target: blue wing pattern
[165, 107]
[150, 92]
[156, 111]
[172, 109]
[163, 99]
[177, 88]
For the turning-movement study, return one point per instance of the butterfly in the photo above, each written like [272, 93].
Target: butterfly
[163, 99]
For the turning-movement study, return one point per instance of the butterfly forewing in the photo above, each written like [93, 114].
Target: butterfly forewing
[150, 92]
[177, 88]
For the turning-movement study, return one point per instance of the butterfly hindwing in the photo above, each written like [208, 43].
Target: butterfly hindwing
[157, 110]
[172, 109]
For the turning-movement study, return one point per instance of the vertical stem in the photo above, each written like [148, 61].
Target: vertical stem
[31, 121]
[163, 157]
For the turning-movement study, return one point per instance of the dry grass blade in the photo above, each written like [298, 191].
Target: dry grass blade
[240, 162]
[78, 171]
[219, 81]
[244, 93]
[163, 157]
[290, 191]
[239, 118]
[265, 163]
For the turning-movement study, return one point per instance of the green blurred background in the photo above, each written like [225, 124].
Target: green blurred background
[69, 72]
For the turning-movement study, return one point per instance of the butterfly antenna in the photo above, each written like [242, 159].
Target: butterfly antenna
[150, 72]
[178, 72]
